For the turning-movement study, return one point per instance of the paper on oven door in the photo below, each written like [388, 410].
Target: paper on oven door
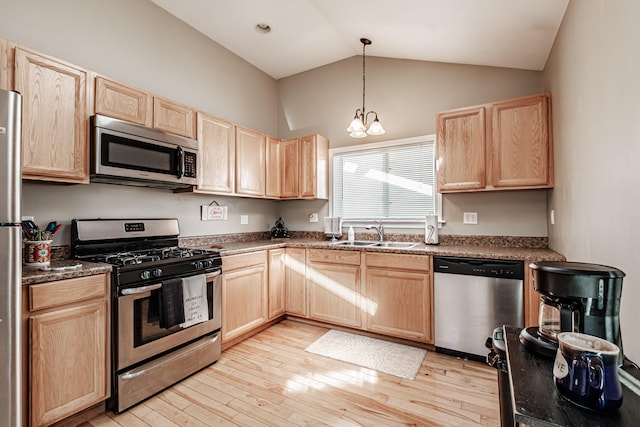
[194, 295]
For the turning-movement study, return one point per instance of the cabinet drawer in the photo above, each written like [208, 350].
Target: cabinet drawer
[334, 256]
[61, 292]
[398, 261]
[234, 262]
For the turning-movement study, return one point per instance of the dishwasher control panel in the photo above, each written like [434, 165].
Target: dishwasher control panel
[479, 267]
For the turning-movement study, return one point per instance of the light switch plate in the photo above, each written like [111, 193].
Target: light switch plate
[470, 218]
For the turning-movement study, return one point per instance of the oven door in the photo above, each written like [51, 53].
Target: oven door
[140, 336]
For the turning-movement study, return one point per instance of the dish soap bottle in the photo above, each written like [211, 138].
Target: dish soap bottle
[351, 235]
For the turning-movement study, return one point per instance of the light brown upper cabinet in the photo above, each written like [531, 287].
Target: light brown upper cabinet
[289, 168]
[172, 117]
[304, 168]
[55, 118]
[250, 162]
[314, 167]
[504, 145]
[124, 102]
[217, 146]
[6, 64]
[272, 180]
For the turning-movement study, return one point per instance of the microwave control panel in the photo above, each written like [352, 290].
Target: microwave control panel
[190, 165]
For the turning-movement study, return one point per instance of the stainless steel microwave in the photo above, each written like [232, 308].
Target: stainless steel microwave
[130, 154]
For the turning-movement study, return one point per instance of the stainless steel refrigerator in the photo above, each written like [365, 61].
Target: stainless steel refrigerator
[10, 257]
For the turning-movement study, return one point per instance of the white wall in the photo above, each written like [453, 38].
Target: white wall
[138, 43]
[593, 74]
[407, 95]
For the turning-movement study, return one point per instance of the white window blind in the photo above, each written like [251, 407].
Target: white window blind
[393, 181]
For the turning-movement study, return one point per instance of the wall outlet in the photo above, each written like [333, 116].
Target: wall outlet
[213, 213]
[470, 218]
[313, 217]
[244, 219]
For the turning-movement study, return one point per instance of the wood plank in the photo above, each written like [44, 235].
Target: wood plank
[270, 380]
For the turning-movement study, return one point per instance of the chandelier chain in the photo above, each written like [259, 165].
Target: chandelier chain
[364, 45]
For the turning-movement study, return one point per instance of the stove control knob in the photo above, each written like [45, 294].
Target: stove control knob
[157, 272]
[145, 275]
[197, 264]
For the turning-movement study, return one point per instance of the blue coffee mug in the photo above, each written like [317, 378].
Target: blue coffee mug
[586, 371]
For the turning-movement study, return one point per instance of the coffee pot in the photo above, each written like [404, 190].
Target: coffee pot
[575, 297]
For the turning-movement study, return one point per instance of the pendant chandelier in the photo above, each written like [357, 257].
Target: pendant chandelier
[358, 127]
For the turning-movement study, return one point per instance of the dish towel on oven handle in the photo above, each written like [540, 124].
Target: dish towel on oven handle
[171, 303]
[194, 295]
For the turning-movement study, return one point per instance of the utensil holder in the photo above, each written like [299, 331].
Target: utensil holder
[37, 253]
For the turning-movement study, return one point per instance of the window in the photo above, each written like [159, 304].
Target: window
[390, 181]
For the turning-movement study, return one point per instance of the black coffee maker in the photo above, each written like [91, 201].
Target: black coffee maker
[576, 297]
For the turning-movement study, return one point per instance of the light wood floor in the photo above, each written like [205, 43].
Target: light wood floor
[270, 380]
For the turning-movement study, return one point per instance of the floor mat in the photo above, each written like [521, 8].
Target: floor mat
[391, 358]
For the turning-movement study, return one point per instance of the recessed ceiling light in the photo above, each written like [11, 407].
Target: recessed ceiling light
[263, 28]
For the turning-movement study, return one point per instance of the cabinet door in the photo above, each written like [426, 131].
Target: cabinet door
[521, 151]
[172, 117]
[314, 169]
[55, 118]
[250, 162]
[216, 139]
[6, 64]
[290, 159]
[244, 294]
[295, 283]
[333, 280]
[276, 283]
[68, 361]
[402, 303]
[123, 102]
[461, 149]
[272, 183]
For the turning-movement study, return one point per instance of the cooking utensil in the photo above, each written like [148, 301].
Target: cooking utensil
[50, 226]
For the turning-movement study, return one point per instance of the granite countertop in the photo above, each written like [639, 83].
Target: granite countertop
[498, 248]
[33, 275]
[470, 251]
[537, 402]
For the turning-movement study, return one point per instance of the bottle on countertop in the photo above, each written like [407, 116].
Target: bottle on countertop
[351, 235]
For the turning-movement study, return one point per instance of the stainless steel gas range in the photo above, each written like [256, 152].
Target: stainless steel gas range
[166, 303]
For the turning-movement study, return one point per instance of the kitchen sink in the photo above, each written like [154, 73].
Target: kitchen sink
[360, 243]
[376, 244]
[396, 245]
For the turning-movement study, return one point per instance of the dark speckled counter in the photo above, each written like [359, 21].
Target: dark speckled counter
[536, 401]
[470, 251]
[33, 275]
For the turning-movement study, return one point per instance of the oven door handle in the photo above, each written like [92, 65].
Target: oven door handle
[140, 290]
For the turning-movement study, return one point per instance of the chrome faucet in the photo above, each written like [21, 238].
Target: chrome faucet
[379, 228]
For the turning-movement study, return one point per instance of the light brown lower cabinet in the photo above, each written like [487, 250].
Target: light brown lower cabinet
[68, 354]
[295, 281]
[333, 279]
[398, 295]
[244, 293]
[276, 283]
[389, 294]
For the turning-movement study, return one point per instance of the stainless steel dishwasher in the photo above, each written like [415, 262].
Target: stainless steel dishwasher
[472, 297]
